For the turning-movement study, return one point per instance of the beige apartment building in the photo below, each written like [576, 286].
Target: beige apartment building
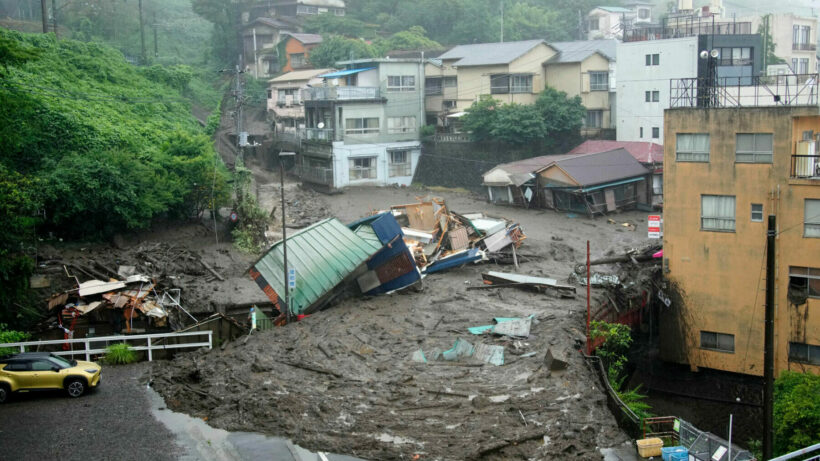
[516, 72]
[794, 37]
[726, 170]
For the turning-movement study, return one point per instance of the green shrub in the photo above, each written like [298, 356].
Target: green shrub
[10, 336]
[428, 130]
[796, 411]
[120, 354]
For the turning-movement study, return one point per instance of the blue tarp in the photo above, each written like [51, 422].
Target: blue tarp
[456, 260]
[610, 184]
[344, 73]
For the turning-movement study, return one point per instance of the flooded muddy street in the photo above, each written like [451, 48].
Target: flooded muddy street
[349, 379]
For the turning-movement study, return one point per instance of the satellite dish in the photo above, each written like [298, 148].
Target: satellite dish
[715, 53]
[321, 125]
[704, 54]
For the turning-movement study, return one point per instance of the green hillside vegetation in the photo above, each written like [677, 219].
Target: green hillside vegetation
[91, 145]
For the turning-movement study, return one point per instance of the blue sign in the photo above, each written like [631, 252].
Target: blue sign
[291, 278]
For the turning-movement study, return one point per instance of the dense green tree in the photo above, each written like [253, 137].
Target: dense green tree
[338, 48]
[769, 44]
[480, 118]
[528, 22]
[225, 17]
[518, 124]
[796, 411]
[412, 39]
[328, 24]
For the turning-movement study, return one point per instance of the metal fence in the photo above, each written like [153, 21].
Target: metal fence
[88, 350]
[811, 453]
[341, 93]
[805, 166]
[686, 28]
[773, 90]
[626, 418]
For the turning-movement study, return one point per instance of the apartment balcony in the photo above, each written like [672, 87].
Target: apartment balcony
[342, 93]
[775, 90]
[805, 167]
[804, 47]
[316, 175]
[318, 134]
[686, 27]
[288, 100]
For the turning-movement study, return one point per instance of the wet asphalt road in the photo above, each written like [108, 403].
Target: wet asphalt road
[112, 422]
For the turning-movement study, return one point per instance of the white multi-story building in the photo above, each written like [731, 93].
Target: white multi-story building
[362, 124]
[794, 37]
[648, 62]
[607, 22]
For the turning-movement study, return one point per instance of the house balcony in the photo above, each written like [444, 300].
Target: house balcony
[805, 167]
[342, 93]
[316, 175]
[685, 27]
[288, 100]
[804, 47]
[318, 134]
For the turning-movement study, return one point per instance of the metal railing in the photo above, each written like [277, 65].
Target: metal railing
[804, 47]
[774, 90]
[317, 175]
[805, 166]
[452, 137]
[813, 450]
[341, 93]
[88, 350]
[626, 418]
[686, 28]
[318, 134]
[288, 100]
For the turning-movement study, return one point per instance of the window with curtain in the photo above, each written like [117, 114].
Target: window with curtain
[521, 84]
[399, 163]
[401, 124]
[595, 119]
[717, 213]
[753, 148]
[804, 353]
[401, 83]
[499, 83]
[692, 147]
[599, 81]
[811, 218]
[361, 125]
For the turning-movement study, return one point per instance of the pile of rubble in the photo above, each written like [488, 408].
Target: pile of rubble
[386, 251]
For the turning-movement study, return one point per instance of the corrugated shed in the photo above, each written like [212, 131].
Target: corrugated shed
[323, 255]
[591, 169]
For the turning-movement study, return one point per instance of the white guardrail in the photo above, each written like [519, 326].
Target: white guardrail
[88, 351]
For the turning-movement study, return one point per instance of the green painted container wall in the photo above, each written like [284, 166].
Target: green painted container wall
[322, 254]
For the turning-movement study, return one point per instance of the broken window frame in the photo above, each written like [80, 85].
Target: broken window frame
[804, 353]
[719, 219]
[688, 149]
[362, 168]
[808, 277]
[399, 168]
[720, 342]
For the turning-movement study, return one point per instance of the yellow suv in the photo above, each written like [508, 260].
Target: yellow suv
[35, 371]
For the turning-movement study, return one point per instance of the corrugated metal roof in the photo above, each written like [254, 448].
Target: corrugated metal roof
[579, 50]
[614, 9]
[346, 72]
[299, 75]
[643, 151]
[483, 54]
[323, 3]
[322, 255]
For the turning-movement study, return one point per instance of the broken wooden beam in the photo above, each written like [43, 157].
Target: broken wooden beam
[211, 270]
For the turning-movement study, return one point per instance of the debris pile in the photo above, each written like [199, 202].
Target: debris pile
[381, 253]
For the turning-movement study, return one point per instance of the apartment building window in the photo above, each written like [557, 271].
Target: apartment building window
[737, 56]
[594, 24]
[297, 60]
[599, 81]
[640, 130]
[450, 82]
[753, 148]
[811, 218]
[757, 212]
[399, 163]
[804, 353]
[652, 96]
[449, 104]
[401, 124]
[432, 85]
[305, 9]
[595, 119]
[643, 13]
[717, 213]
[721, 342]
[521, 84]
[801, 35]
[401, 83]
[800, 66]
[653, 59]
[362, 168]
[362, 125]
[656, 132]
[506, 83]
[692, 147]
[804, 282]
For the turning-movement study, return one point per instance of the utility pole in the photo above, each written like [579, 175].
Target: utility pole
[768, 352]
[54, 15]
[142, 37]
[156, 47]
[240, 99]
[502, 21]
[45, 15]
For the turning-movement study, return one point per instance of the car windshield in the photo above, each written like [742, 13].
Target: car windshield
[63, 363]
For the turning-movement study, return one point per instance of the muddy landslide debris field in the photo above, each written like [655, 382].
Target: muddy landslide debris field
[344, 380]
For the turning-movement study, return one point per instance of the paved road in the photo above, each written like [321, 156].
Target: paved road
[125, 420]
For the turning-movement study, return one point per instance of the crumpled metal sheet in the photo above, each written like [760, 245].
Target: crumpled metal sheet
[489, 354]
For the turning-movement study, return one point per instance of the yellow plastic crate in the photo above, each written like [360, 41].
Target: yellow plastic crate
[650, 447]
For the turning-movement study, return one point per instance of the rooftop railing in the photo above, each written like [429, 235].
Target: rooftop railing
[776, 90]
